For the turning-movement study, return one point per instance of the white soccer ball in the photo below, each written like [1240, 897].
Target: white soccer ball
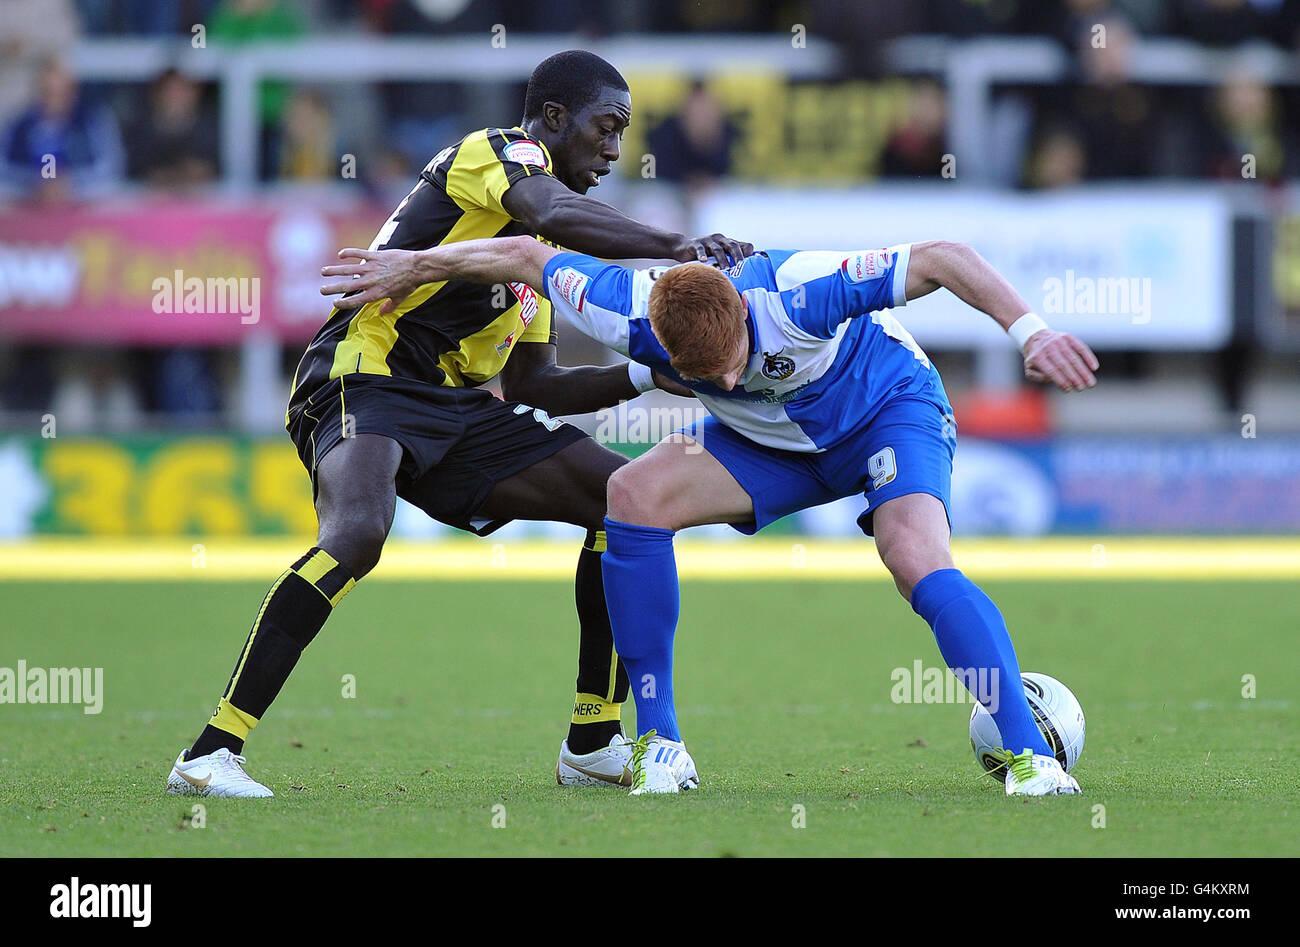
[1059, 717]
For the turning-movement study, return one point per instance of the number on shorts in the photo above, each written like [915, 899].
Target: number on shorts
[882, 468]
[540, 416]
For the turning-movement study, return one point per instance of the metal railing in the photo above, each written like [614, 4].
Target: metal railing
[971, 69]
[461, 58]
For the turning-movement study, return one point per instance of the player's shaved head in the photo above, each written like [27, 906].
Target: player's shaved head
[572, 78]
[699, 318]
[578, 106]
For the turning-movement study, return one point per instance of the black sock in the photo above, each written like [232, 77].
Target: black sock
[213, 739]
[293, 612]
[602, 680]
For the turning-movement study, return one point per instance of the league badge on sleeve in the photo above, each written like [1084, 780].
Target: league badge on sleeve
[571, 285]
[869, 265]
[525, 152]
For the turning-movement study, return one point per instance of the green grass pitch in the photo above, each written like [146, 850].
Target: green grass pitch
[783, 689]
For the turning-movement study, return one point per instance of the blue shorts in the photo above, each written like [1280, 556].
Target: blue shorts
[907, 448]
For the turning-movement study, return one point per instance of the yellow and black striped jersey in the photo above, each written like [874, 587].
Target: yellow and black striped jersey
[452, 332]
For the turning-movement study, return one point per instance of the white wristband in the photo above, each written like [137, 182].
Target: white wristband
[641, 376]
[1024, 327]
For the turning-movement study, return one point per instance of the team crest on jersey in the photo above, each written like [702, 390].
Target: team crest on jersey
[527, 302]
[572, 285]
[864, 266]
[525, 152]
[776, 366]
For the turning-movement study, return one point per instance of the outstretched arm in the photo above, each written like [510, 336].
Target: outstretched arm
[395, 274]
[531, 373]
[1052, 356]
[586, 225]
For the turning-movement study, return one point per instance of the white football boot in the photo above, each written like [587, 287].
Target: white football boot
[661, 766]
[608, 766]
[220, 773]
[1033, 774]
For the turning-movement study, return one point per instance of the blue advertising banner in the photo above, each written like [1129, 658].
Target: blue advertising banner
[1207, 484]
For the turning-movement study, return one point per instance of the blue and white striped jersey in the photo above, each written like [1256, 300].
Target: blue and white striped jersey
[817, 371]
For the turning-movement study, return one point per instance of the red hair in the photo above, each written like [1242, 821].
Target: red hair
[697, 315]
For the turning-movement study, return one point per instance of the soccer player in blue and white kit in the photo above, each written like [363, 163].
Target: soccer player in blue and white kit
[816, 392]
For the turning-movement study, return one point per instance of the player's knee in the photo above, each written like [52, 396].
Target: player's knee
[355, 541]
[909, 557]
[635, 499]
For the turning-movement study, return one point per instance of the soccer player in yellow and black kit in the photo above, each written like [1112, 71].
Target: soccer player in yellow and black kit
[386, 403]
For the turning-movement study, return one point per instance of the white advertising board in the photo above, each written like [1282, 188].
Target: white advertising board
[1120, 268]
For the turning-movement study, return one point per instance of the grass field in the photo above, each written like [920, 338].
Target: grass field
[462, 698]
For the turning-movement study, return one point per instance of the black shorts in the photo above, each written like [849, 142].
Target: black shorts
[457, 443]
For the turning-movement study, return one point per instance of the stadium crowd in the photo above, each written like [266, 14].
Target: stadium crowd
[1100, 123]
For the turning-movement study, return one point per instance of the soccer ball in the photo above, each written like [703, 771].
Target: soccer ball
[1059, 717]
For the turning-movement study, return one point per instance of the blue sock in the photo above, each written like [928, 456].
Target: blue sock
[972, 636]
[641, 591]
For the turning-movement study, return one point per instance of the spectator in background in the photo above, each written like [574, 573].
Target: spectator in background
[61, 145]
[421, 117]
[730, 16]
[95, 392]
[693, 147]
[174, 143]
[591, 18]
[31, 31]
[433, 16]
[239, 22]
[863, 29]
[1115, 120]
[1057, 160]
[1246, 120]
[1149, 17]
[182, 384]
[587, 18]
[248, 21]
[26, 377]
[142, 17]
[916, 146]
[1069, 21]
[1118, 118]
[309, 142]
[965, 18]
[388, 174]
